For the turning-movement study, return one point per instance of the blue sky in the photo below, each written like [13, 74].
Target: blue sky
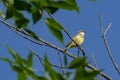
[88, 19]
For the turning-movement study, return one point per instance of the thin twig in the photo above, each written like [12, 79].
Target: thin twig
[95, 64]
[60, 58]
[94, 61]
[78, 52]
[101, 73]
[37, 55]
[101, 23]
[106, 44]
[52, 46]
[42, 60]
[108, 28]
[83, 51]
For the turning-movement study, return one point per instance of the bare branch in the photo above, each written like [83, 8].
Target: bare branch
[60, 58]
[101, 23]
[39, 57]
[110, 54]
[93, 58]
[106, 44]
[108, 28]
[26, 36]
[95, 64]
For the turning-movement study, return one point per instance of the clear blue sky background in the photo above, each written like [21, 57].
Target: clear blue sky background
[88, 19]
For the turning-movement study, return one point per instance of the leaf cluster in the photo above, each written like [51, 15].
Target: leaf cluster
[16, 10]
[23, 68]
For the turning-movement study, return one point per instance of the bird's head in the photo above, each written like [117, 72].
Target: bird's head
[82, 32]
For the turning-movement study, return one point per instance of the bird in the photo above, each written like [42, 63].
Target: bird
[78, 39]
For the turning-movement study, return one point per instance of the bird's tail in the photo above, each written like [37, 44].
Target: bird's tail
[67, 47]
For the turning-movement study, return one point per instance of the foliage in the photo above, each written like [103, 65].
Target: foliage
[16, 9]
[23, 68]
[55, 28]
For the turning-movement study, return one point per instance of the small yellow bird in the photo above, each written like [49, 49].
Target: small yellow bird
[79, 39]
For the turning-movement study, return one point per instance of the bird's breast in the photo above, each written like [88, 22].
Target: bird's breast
[79, 39]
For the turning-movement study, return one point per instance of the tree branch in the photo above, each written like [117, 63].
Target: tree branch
[101, 73]
[106, 43]
[26, 36]
[95, 64]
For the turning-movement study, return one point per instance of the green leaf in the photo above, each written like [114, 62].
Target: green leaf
[92, 74]
[7, 60]
[52, 74]
[85, 74]
[2, 14]
[44, 5]
[81, 73]
[55, 28]
[78, 62]
[47, 66]
[36, 14]
[21, 66]
[22, 71]
[16, 56]
[28, 71]
[35, 77]
[53, 23]
[8, 3]
[17, 69]
[61, 4]
[12, 12]
[22, 5]
[21, 76]
[51, 9]
[41, 78]
[67, 5]
[74, 4]
[9, 14]
[68, 74]
[30, 60]
[21, 22]
[31, 33]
